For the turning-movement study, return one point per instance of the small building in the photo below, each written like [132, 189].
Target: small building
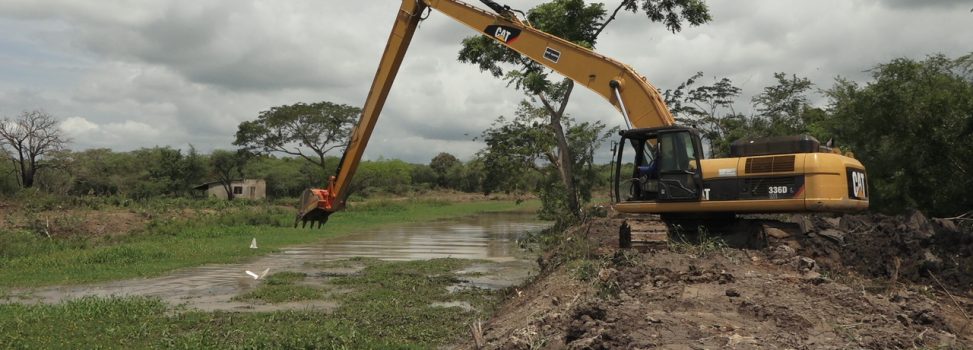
[242, 189]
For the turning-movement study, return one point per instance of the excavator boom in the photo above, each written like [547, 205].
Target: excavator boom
[791, 174]
[630, 93]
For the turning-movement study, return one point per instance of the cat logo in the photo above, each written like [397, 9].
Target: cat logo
[503, 33]
[857, 187]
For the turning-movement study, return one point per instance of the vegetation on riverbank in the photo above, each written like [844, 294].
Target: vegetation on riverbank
[190, 236]
[391, 307]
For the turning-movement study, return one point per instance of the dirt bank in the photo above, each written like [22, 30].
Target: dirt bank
[905, 248]
[822, 283]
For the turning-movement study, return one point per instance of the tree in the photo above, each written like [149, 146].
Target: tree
[784, 107]
[309, 131]
[8, 182]
[392, 176]
[441, 165]
[194, 169]
[522, 149]
[228, 166]
[284, 175]
[423, 177]
[907, 126]
[581, 23]
[780, 109]
[27, 140]
[709, 109]
[96, 171]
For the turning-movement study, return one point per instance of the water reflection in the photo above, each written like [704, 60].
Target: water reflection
[491, 237]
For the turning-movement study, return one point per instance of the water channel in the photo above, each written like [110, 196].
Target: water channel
[490, 237]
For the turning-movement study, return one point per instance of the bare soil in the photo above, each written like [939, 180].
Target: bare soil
[87, 223]
[72, 222]
[865, 281]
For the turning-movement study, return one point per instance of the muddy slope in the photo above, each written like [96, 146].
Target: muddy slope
[809, 289]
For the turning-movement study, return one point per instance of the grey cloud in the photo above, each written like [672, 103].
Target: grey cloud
[913, 4]
[177, 72]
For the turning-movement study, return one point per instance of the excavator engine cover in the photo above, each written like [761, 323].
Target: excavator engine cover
[774, 145]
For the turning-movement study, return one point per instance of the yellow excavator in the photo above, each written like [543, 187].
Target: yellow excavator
[658, 166]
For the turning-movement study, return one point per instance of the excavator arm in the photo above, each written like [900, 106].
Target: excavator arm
[630, 93]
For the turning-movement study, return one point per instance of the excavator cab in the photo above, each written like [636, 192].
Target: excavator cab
[658, 165]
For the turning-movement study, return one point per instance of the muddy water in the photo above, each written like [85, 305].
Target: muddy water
[489, 237]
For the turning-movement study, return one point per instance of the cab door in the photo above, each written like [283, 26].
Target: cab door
[679, 170]
[661, 165]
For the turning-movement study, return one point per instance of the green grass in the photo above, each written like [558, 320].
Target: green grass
[390, 308]
[282, 287]
[700, 243]
[29, 260]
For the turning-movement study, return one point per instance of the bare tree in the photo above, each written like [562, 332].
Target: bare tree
[27, 140]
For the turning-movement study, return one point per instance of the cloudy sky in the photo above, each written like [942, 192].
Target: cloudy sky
[126, 74]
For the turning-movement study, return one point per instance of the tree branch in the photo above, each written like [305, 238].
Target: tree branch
[566, 96]
[610, 18]
[547, 105]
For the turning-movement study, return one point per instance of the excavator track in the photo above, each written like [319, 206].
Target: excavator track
[752, 231]
[644, 231]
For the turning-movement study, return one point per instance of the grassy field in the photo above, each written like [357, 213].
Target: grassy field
[388, 307]
[29, 259]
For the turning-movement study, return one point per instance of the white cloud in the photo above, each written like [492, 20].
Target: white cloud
[78, 126]
[81, 130]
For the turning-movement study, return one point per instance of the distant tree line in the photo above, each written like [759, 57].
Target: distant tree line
[166, 171]
[911, 126]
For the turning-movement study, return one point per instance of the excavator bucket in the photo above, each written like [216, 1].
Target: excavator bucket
[313, 208]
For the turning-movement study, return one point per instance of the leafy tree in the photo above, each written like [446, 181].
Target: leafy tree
[708, 108]
[285, 176]
[228, 166]
[96, 171]
[165, 170]
[423, 176]
[466, 177]
[908, 127]
[393, 176]
[194, 170]
[8, 178]
[522, 147]
[581, 23]
[784, 107]
[149, 172]
[441, 165]
[27, 140]
[780, 109]
[308, 131]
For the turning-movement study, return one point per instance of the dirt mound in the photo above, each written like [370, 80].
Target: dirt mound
[771, 298]
[902, 248]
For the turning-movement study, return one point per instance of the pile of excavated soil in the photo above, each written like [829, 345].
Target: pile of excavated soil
[808, 289]
[905, 248]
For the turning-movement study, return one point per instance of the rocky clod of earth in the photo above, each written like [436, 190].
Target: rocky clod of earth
[849, 282]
